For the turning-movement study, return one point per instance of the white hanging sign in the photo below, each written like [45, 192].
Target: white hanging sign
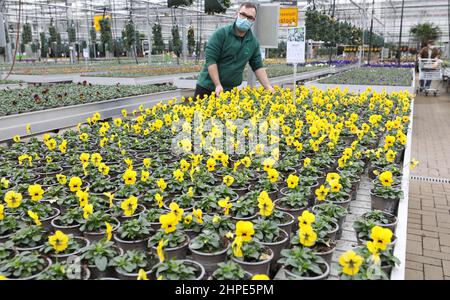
[295, 53]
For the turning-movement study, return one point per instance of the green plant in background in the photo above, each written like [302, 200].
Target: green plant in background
[158, 43]
[177, 3]
[44, 45]
[34, 47]
[93, 42]
[26, 36]
[105, 34]
[130, 37]
[72, 34]
[176, 42]
[53, 39]
[59, 45]
[217, 6]
[424, 32]
[191, 40]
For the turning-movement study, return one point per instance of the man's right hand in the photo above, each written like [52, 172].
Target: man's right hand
[219, 89]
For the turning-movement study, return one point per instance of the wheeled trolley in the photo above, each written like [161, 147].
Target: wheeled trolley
[429, 70]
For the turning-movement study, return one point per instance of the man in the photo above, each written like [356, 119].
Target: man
[228, 50]
[428, 52]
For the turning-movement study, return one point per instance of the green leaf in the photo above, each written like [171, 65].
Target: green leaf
[101, 263]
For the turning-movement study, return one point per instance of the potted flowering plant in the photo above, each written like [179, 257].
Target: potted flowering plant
[296, 184]
[269, 234]
[209, 249]
[364, 229]
[185, 201]
[295, 203]
[27, 265]
[129, 264]
[385, 259]
[381, 218]
[133, 234]
[192, 223]
[386, 197]
[8, 225]
[63, 271]
[314, 232]
[44, 212]
[29, 238]
[334, 211]
[354, 266]
[244, 209]
[302, 263]
[219, 224]
[238, 181]
[152, 215]
[208, 203]
[94, 229]
[6, 251]
[251, 255]
[230, 271]
[99, 257]
[180, 270]
[60, 246]
[337, 194]
[100, 184]
[174, 242]
[70, 221]
[269, 182]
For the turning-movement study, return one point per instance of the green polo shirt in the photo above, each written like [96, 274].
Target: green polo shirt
[231, 53]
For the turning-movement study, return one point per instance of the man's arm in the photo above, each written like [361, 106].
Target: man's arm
[214, 74]
[261, 74]
[212, 54]
[257, 67]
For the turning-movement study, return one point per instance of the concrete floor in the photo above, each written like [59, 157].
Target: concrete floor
[428, 242]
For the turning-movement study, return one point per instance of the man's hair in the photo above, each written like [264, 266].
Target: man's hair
[430, 42]
[249, 5]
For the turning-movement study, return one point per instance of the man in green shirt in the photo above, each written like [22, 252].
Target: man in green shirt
[228, 50]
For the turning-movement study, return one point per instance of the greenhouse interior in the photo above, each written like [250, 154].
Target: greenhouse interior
[224, 140]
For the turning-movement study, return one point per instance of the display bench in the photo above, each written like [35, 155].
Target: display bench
[69, 116]
[362, 88]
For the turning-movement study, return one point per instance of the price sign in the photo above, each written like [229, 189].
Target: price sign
[289, 16]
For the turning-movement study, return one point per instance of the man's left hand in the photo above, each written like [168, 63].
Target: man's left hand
[271, 89]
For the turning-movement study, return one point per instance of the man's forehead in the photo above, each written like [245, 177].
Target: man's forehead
[248, 10]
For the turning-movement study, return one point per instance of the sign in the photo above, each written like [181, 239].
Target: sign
[97, 20]
[85, 52]
[289, 16]
[266, 28]
[295, 53]
[286, 2]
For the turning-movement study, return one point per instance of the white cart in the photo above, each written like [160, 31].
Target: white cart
[429, 70]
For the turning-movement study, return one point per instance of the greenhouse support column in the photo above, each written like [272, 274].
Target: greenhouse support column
[251, 78]
[371, 33]
[149, 35]
[334, 36]
[2, 34]
[87, 31]
[184, 37]
[8, 50]
[400, 36]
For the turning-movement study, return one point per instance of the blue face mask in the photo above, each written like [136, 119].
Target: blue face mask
[243, 24]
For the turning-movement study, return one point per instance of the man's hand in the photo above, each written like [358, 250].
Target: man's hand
[263, 79]
[219, 89]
